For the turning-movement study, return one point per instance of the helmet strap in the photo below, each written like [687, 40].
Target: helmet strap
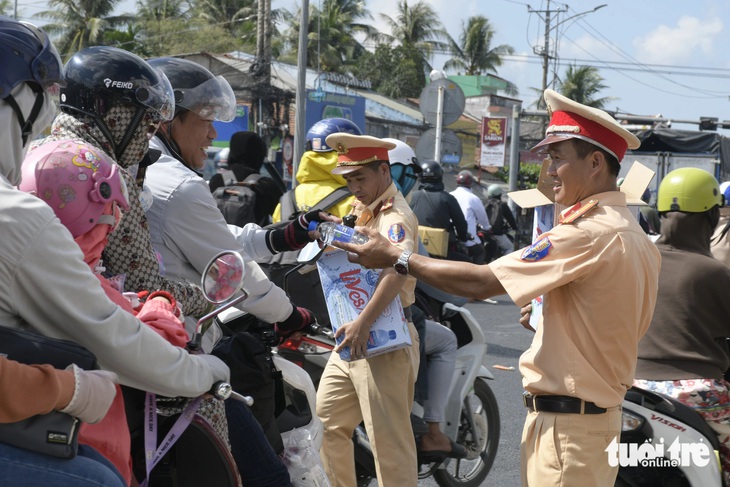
[26, 125]
[129, 133]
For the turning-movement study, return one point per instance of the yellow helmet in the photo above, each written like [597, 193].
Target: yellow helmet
[690, 190]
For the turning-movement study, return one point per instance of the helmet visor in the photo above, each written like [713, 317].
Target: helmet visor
[159, 98]
[212, 100]
[47, 66]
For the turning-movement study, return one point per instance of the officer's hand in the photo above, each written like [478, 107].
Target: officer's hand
[376, 253]
[525, 313]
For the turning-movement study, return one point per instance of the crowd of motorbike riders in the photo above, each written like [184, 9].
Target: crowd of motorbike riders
[129, 134]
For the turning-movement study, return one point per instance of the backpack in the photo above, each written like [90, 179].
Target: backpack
[249, 201]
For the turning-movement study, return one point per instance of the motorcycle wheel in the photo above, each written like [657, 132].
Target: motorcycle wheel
[479, 409]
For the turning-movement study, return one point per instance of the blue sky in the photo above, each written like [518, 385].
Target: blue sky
[666, 57]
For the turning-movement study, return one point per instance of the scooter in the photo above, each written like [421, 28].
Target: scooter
[664, 443]
[190, 452]
[472, 414]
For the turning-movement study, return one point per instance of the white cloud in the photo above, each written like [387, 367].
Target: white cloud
[672, 45]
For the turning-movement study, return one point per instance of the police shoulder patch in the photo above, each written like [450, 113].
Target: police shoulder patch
[537, 251]
[396, 233]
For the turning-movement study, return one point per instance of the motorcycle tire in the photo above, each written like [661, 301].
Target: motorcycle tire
[480, 410]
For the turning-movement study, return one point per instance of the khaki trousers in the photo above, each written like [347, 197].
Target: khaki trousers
[568, 450]
[378, 391]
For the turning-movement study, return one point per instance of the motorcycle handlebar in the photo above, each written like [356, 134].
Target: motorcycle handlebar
[223, 390]
[317, 329]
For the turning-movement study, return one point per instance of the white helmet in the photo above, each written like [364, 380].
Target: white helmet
[403, 165]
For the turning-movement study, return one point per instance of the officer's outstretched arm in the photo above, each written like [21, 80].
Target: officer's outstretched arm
[461, 278]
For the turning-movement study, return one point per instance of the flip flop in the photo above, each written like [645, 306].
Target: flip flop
[435, 456]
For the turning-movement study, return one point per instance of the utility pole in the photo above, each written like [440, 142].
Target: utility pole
[545, 51]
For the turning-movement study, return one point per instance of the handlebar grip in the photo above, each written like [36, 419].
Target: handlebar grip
[223, 390]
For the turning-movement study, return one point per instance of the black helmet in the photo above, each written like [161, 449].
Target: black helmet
[432, 172]
[101, 77]
[197, 89]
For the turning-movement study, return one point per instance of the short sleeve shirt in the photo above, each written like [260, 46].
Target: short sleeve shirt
[391, 216]
[599, 278]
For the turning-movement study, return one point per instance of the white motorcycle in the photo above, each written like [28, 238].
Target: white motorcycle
[664, 443]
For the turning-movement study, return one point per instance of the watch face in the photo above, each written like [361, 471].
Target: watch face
[401, 268]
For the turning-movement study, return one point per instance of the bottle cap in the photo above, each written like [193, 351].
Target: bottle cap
[312, 226]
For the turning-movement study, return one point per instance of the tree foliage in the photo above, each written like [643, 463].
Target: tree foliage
[81, 23]
[331, 38]
[393, 71]
[474, 54]
[582, 84]
[417, 28]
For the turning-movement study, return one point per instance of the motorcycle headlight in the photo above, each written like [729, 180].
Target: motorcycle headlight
[630, 421]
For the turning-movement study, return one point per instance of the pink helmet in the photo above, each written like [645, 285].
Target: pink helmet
[76, 179]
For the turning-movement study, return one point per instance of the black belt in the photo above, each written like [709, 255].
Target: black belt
[560, 404]
[407, 313]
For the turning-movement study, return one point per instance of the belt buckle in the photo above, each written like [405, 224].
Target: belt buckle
[528, 400]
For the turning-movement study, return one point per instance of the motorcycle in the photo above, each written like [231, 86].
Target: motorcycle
[664, 443]
[190, 452]
[472, 415]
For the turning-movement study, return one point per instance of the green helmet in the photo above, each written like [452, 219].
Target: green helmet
[494, 191]
[690, 190]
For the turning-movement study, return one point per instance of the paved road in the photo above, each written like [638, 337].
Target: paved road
[507, 340]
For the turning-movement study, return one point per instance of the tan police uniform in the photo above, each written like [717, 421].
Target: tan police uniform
[377, 390]
[598, 274]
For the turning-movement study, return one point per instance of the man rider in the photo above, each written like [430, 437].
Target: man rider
[684, 353]
[436, 208]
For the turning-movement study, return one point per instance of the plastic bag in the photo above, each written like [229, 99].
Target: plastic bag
[302, 460]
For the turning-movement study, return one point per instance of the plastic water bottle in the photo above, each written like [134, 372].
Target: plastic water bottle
[334, 232]
[379, 338]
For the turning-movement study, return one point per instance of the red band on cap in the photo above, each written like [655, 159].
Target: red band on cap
[590, 130]
[362, 155]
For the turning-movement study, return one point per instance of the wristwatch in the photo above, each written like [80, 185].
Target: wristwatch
[401, 265]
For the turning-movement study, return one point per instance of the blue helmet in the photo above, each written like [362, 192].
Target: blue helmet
[318, 133]
[27, 56]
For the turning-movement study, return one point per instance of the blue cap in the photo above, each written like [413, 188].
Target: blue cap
[312, 226]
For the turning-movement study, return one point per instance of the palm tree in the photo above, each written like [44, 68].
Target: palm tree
[582, 84]
[418, 27]
[474, 55]
[331, 42]
[81, 23]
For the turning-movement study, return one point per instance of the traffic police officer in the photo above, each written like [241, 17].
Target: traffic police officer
[377, 390]
[583, 355]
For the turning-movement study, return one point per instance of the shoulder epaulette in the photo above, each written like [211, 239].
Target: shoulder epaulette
[576, 211]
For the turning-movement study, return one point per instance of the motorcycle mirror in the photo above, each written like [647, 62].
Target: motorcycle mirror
[223, 277]
[221, 283]
[309, 253]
